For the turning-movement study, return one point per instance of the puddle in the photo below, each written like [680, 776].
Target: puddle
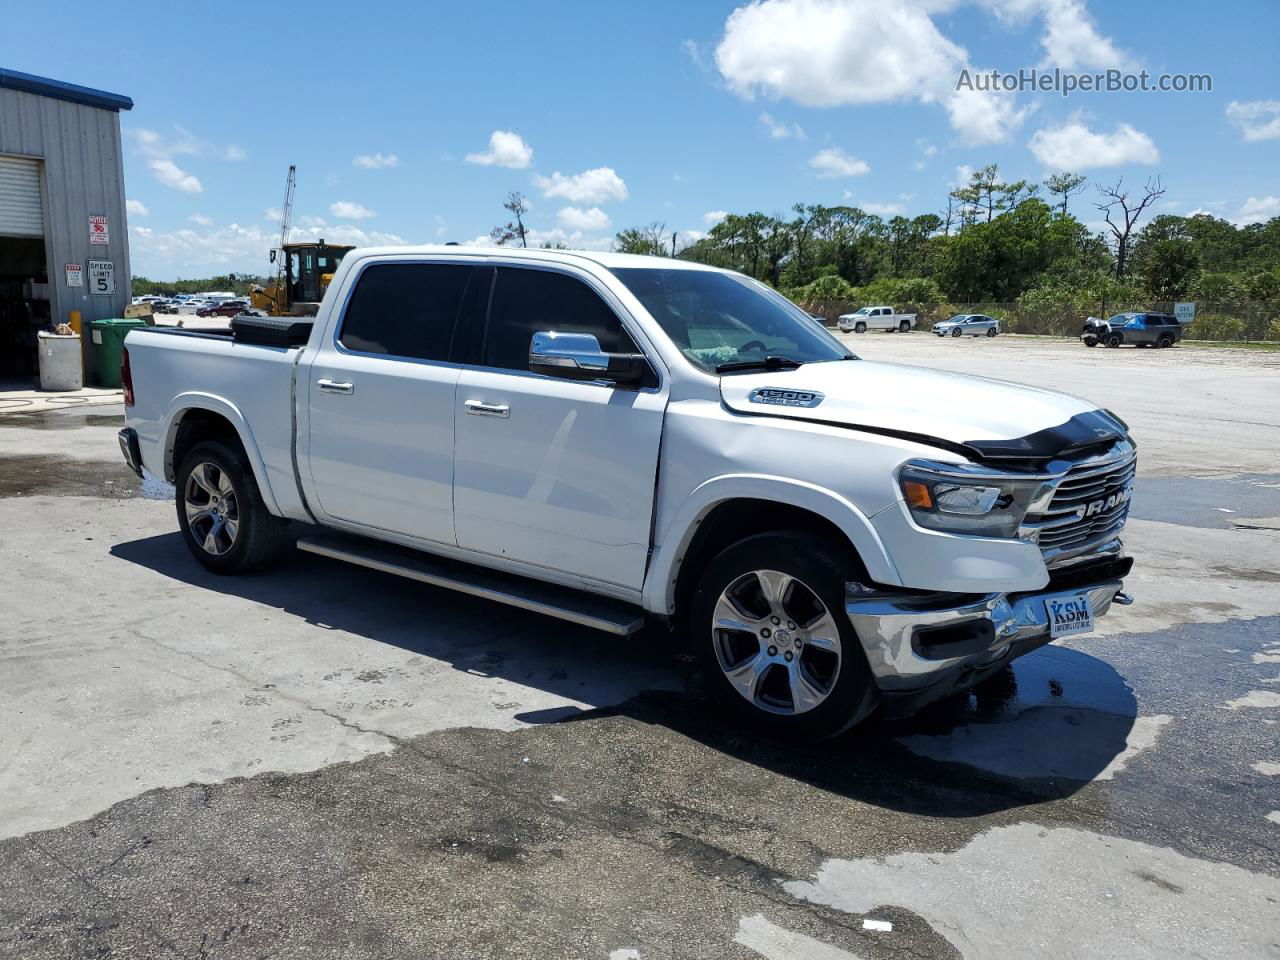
[1213, 502]
[23, 475]
[63, 420]
[1059, 714]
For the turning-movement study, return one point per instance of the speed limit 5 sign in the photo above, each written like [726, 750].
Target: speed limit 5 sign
[102, 277]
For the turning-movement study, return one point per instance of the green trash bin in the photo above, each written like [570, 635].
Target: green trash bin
[108, 343]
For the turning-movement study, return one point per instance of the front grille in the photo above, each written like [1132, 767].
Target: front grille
[1088, 506]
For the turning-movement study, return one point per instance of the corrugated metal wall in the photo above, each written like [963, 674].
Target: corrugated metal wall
[83, 176]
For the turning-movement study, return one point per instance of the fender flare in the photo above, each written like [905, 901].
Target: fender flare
[659, 591]
[183, 404]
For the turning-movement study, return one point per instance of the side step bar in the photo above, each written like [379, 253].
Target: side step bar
[600, 613]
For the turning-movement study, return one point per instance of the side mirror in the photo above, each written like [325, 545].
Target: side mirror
[577, 356]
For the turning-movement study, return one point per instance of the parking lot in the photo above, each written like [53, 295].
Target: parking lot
[324, 761]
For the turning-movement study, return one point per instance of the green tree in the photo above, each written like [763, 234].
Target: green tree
[1064, 185]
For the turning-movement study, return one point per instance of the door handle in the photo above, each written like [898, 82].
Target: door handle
[482, 409]
[333, 386]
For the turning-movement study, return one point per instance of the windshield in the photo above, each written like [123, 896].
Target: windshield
[719, 318]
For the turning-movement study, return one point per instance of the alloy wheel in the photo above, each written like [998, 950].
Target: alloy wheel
[776, 642]
[213, 511]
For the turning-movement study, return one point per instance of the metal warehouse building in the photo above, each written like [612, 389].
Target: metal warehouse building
[63, 237]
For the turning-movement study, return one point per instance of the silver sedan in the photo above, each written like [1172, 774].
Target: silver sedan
[968, 324]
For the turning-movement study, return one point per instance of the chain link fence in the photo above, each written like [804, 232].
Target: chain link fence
[1242, 322]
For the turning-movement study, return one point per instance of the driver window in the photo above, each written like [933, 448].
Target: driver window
[526, 301]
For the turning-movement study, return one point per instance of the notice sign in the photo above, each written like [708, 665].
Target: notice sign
[75, 275]
[1184, 312]
[98, 232]
[102, 277]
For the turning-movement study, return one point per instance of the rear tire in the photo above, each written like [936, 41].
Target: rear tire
[792, 664]
[991, 331]
[904, 327]
[224, 522]
[1166, 341]
[1113, 340]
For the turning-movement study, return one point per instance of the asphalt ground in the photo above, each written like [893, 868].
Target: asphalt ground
[320, 761]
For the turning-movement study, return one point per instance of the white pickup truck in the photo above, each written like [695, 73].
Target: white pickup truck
[876, 318]
[613, 439]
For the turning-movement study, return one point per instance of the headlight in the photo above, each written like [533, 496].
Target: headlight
[963, 498]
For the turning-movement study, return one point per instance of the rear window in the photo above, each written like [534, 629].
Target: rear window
[405, 309]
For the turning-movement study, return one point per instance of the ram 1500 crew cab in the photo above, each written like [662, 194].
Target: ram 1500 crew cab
[607, 438]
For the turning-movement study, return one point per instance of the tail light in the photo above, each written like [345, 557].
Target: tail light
[126, 377]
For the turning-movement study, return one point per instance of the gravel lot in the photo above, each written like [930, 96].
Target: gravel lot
[322, 761]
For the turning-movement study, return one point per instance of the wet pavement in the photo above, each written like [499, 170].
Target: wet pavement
[326, 762]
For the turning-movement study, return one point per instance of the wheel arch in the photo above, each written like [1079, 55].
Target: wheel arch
[195, 417]
[727, 509]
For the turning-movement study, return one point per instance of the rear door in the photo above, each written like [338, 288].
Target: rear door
[555, 473]
[381, 393]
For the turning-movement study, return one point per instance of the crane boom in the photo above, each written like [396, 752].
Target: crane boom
[286, 216]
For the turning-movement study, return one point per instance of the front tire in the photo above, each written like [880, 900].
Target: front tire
[859, 327]
[1113, 340]
[224, 522]
[768, 625]
[957, 332]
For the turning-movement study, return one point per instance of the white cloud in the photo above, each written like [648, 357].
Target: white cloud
[884, 209]
[1071, 39]
[691, 50]
[779, 130]
[1073, 146]
[834, 162]
[829, 53]
[506, 149]
[347, 210]
[375, 161]
[712, 217]
[576, 218]
[573, 239]
[159, 152]
[272, 213]
[442, 225]
[982, 117]
[172, 175]
[1257, 119]
[201, 219]
[595, 186]
[234, 247]
[1257, 210]
[136, 208]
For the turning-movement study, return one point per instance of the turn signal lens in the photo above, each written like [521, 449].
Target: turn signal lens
[918, 494]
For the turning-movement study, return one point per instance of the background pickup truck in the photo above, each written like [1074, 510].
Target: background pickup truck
[876, 318]
[612, 439]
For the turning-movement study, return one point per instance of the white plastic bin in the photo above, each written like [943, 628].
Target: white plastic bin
[60, 362]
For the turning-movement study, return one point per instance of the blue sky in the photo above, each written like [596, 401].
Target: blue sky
[611, 115]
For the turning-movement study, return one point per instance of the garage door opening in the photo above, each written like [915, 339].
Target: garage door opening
[24, 303]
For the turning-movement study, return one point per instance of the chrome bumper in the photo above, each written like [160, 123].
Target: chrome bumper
[892, 627]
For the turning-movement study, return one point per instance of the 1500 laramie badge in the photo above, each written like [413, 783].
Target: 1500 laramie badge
[609, 439]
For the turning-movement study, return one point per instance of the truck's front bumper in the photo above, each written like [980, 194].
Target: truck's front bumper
[922, 647]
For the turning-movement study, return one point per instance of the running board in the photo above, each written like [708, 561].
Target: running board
[600, 613]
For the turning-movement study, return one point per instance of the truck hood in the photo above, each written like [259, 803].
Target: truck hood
[981, 418]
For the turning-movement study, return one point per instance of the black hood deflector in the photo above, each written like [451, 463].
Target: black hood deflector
[1097, 428]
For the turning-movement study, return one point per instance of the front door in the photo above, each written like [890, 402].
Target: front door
[551, 472]
[381, 397]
